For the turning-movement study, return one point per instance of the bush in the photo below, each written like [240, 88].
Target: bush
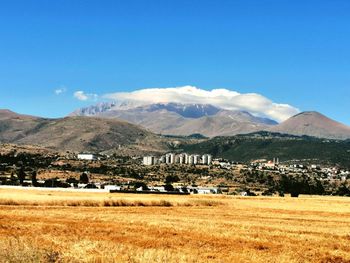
[141, 184]
[169, 188]
[268, 192]
[172, 179]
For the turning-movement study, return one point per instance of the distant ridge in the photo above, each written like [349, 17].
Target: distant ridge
[269, 145]
[314, 124]
[5, 114]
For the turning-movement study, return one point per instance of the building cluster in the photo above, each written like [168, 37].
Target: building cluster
[161, 189]
[324, 172]
[183, 158]
[265, 164]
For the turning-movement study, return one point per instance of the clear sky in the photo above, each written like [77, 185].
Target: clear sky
[291, 51]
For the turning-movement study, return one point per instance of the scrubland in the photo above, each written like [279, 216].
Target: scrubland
[51, 226]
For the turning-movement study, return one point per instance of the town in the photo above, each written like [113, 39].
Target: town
[171, 173]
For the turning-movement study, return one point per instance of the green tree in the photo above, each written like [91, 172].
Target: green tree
[34, 180]
[84, 178]
[21, 175]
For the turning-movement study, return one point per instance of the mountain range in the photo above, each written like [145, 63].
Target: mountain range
[136, 129]
[181, 119]
[211, 121]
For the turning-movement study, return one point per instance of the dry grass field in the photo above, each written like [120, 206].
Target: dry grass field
[51, 226]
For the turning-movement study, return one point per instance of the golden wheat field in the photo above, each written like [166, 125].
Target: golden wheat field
[51, 226]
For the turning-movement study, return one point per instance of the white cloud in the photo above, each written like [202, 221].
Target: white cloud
[224, 98]
[60, 90]
[81, 95]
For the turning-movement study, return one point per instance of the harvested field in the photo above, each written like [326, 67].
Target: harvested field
[51, 226]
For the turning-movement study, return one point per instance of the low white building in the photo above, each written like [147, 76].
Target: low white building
[112, 187]
[87, 156]
[157, 188]
[203, 190]
[149, 160]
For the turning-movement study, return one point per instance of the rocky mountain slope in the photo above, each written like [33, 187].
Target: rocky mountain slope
[78, 134]
[315, 124]
[181, 119]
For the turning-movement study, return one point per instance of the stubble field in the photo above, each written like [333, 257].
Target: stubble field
[51, 226]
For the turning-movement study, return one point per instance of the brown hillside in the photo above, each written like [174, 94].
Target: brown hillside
[313, 124]
[77, 134]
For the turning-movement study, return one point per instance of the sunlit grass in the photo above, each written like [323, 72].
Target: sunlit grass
[50, 226]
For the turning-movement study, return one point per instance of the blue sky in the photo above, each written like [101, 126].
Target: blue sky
[294, 52]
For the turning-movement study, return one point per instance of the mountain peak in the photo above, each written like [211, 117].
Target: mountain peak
[309, 113]
[313, 123]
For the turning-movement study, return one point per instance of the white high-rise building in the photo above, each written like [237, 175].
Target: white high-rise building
[191, 159]
[167, 158]
[196, 159]
[181, 159]
[185, 158]
[170, 158]
[210, 159]
[162, 159]
[204, 159]
[207, 159]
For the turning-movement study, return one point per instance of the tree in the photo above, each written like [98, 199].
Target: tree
[316, 187]
[21, 175]
[84, 178]
[34, 180]
[294, 185]
[343, 190]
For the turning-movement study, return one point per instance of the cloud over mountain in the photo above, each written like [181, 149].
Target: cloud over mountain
[223, 98]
